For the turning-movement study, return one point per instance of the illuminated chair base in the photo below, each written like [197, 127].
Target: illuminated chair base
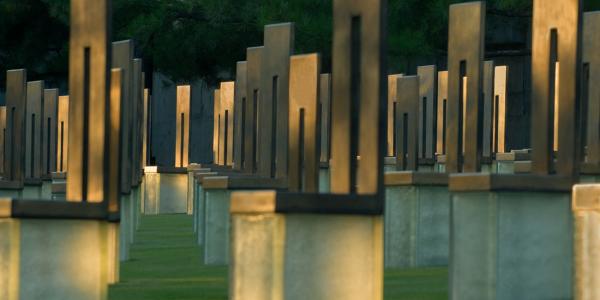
[165, 191]
[54, 251]
[309, 250]
[217, 191]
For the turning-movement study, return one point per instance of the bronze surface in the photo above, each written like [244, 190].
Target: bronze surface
[442, 100]
[136, 110]
[239, 116]
[274, 102]
[465, 46]
[254, 66]
[591, 61]
[392, 99]
[303, 168]
[406, 178]
[488, 104]
[226, 125]
[182, 127]
[325, 118]
[114, 154]
[559, 22]
[62, 135]
[88, 86]
[122, 58]
[2, 138]
[16, 97]
[359, 96]
[33, 129]
[499, 109]
[484, 182]
[427, 110]
[146, 130]
[49, 128]
[216, 125]
[407, 123]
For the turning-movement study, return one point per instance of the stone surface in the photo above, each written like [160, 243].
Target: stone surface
[45, 259]
[318, 263]
[216, 227]
[165, 193]
[417, 220]
[586, 213]
[509, 244]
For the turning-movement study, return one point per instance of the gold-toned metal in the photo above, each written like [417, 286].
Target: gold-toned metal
[556, 37]
[303, 168]
[226, 126]
[499, 112]
[88, 85]
[62, 135]
[216, 126]
[407, 123]
[254, 66]
[122, 58]
[274, 102]
[114, 140]
[5, 208]
[136, 111]
[427, 110]
[391, 115]
[442, 102]
[465, 55]
[591, 73]
[33, 128]
[488, 104]
[2, 138]
[182, 139]
[359, 96]
[49, 128]
[16, 97]
[239, 115]
[146, 129]
[325, 117]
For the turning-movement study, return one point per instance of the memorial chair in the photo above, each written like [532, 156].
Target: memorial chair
[295, 245]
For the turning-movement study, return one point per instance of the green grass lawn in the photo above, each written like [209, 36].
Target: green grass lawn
[166, 264]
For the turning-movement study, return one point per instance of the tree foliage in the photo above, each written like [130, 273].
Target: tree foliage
[189, 39]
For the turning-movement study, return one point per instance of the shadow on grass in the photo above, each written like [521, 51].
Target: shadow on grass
[166, 264]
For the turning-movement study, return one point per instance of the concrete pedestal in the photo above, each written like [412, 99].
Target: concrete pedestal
[53, 259]
[324, 180]
[216, 227]
[586, 212]
[165, 191]
[510, 244]
[200, 205]
[217, 191]
[125, 225]
[417, 220]
[416, 226]
[113, 261]
[58, 187]
[303, 255]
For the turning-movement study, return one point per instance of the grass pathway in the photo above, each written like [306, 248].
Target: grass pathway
[166, 264]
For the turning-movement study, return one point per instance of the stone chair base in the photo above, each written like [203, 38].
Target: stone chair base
[54, 254]
[216, 223]
[586, 214]
[512, 237]
[165, 191]
[304, 251]
[417, 218]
